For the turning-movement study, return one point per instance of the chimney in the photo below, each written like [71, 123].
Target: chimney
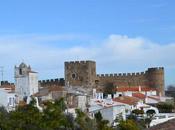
[140, 88]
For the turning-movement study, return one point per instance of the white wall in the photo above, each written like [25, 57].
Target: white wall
[82, 102]
[22, 88]
[26, 85]
[8, 100]
[33, 83]
[110, 113]
[150, 100]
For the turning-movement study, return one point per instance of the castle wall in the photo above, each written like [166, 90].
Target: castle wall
[83, 73]
[153, 77]
[80, 73]
[52, 82]
[123, 79]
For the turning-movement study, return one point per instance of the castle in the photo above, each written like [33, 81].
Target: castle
[83, 73]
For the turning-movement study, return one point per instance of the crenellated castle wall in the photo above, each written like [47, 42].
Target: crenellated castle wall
[52, 82]
[120, 75]
[152, 77]
[83, 73]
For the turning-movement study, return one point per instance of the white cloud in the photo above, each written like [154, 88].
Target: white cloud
[113, 54]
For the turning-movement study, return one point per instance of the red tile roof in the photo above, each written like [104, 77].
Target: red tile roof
[136, 89]
[139, 95]
[8, 87]
[127, 100]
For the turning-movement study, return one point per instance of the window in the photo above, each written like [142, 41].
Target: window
[11, 101]
[73, 76]
[20, 71]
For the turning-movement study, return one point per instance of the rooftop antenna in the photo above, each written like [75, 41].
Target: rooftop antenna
[2, 74]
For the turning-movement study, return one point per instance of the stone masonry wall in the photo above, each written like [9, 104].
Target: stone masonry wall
[153, 77]
[80, 73]
[83, 73]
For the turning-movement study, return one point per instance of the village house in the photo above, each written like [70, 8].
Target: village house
[8, 97]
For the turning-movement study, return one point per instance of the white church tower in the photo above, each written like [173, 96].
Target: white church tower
[26, 81]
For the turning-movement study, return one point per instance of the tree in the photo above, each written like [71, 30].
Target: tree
[54, 116]
[25, 117]
[137, 112]
[165, 107]
[128, 125]
[118, 118]
[109, 88]
[101, 124]
[83, 122]
[4, 117]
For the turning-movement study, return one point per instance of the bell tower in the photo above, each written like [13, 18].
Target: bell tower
[26, 81]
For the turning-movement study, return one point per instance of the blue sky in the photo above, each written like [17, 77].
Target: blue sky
[121, 35]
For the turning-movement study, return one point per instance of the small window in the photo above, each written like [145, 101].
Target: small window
[20, 71]
[10, 101]
[73, 76]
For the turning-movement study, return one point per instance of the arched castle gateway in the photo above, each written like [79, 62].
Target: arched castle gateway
[83, 73]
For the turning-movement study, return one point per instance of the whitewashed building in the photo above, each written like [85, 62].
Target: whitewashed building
[8, 98]
[109, 109]
[128, 91]
[26, 81]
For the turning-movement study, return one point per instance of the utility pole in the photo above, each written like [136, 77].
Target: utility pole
[2, 74]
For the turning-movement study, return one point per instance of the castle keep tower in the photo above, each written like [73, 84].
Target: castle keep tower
[155, 77]
[80, 73]
[26, 81]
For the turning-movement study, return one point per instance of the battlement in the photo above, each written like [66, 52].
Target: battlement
[6, 83]
[121, 74]
[79, 62]
[130, 74]
[60, 81]
[156, 69]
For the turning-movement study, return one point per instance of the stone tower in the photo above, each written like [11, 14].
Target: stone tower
[80, 73]
[155, 77]
[26, 81]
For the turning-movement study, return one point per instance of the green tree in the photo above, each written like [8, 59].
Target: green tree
[83, 122]
[128, 125]
[137, 112]
[25, 118]
[109, 88]
[101, 124]
[4, 118]
[54, 116]
[118, 118]
[165, 107]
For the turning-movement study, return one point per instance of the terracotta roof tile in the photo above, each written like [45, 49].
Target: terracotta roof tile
[136, 89]
[8, 87]
[139, 95]
[127, 100]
